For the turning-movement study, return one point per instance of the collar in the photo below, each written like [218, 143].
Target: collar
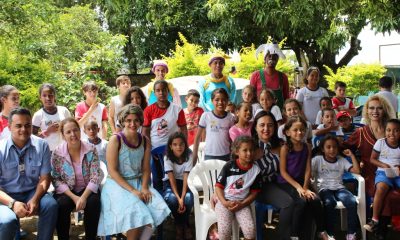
[62, 150]
[10, 143]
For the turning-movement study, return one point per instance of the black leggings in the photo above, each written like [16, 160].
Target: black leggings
[304, 209]
[90, 218]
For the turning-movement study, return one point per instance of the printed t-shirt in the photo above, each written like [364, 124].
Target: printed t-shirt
[217, 133]
[163, 122]
[329, 175]
[387, 154]
[192, 121]
[43, 120]
[238, 181]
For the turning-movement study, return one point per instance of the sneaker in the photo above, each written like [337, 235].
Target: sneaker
[351, 236]
[371, 226]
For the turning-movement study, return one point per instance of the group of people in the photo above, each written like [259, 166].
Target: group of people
[266, 141]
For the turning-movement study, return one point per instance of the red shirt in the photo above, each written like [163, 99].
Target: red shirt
[3, 123]
[153, 111]
[339, 104]
[192, 120]
[272, 82]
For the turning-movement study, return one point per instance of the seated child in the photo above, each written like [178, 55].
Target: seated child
[91, 129]
[324, 103]
[328, 169]
[328, 125]
[386, 156]
[237, 187]
[344, 120]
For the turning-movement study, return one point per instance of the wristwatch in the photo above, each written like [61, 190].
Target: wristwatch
[11, 204]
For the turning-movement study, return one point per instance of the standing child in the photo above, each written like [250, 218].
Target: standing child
[310, 95]
[386, 156]
[324, 103]
[192, 114]
[90, 108]
[385, 90]
[123, 83]
[230, 107]
[237, 187]
[216, 124]
[91, 129]
[135, 96]
[294, 178]
[329, 125]
[243, 125]
[340, 102]
[161, 119]
[249, 95]
[267, 102]
[9, 99]
[177, 164]
[328, 169]
[292, 108]
[48, 118]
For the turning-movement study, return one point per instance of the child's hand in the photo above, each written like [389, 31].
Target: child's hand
[94, 105]
[146, 194]
[348, 153]
[230, 204]
[238, 205]
[182, 207]
[301, 192]
[310, 195]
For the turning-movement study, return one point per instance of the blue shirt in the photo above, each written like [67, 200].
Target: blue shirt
[36, 158]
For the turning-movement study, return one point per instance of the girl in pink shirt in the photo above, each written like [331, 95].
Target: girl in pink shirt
[243, 125]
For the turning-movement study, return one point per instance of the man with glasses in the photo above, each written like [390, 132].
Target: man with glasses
[25, 178]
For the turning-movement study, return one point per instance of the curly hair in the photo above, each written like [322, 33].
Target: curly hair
[130, 109]
[388, 112]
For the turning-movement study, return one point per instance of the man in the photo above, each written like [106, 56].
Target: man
[269, 77]
[25, 178]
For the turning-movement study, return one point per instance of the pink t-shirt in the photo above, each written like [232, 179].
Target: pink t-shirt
[235, 132]
[79, 181]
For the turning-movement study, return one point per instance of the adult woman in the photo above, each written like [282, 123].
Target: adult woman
[75, 171]
[215, 80]
[376, 113]
[128, 202]
[265, 132]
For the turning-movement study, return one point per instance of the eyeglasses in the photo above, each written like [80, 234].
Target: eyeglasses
[375, 108]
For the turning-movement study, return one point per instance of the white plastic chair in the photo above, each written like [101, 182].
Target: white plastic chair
[200, 154]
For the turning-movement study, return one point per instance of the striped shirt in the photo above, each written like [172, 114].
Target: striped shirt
[268, 164]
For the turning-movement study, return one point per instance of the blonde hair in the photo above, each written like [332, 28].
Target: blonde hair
[388, 112]
[121, 79]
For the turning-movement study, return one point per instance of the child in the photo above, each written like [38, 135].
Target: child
[135, 96]
[292, 108]
[385, 90]
[345, 124]
[128, 201]
[216, 124]
[329, 125]
[237, 187]
[324, 103]
[328, 169]
[91, 129]
[161, 119]
[267, 102]
[48, 118]
[90, 108]
[310, 95]
[177, 165]
[230, 107]
[386, 156]
[295, 173]
[123, 83]
[243, 125]
[249, 96]
[9, 99]
[192, 114]
[160, 69]
[340, 102]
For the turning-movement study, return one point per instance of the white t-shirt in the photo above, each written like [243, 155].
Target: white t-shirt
[318, 120]
[392, 99]
[177, 169]
[317, 139]
[387, 154]
[101, 148]
[310, 100]
[217, 133]
[256, 107]
[275, 111]
[43, 120]
[116, 100]
[329, 175]
[307, 136]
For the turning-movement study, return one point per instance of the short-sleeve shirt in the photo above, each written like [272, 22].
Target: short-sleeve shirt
[238, 181]
[217, 133]
[271, 82]
[387, 154]
[36, 158]
[307, 136]
[192, 121]
[177, 169]
[163, 122]
[392, 99]
[101, 148]
[329, 175]
[99, 115]
[310, 100]
[235, 132]
[339, 105]
[338, 133]
[43, 120]
[116, 100]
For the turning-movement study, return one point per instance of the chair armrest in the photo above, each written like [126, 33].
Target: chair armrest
[361, 185]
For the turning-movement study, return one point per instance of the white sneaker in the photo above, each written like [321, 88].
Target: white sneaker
[351, 236]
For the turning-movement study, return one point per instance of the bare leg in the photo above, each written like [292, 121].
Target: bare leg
[380, 194]
[134, 234]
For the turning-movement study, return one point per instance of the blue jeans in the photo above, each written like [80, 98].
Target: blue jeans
[330, 198]
[47, 216]
[173, 204]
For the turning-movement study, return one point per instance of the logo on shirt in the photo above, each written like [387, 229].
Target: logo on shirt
[162, 127]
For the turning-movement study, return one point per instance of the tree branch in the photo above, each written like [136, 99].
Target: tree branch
[355, 47]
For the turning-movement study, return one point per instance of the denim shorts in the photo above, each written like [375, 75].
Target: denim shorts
[391, 182]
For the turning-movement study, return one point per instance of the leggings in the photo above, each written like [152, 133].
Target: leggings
[225, 218]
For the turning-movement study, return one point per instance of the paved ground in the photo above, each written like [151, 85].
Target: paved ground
[77, 232]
